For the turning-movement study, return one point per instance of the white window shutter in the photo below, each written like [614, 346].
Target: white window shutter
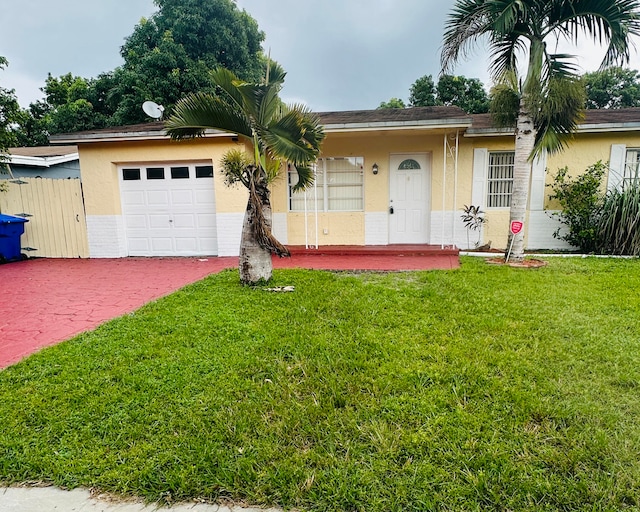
[538, 171]
[480, 166]
[616, 166]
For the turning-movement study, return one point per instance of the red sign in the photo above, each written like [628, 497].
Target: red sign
[516, 226]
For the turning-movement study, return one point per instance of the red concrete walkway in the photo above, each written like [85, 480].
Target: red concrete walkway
[45, 301]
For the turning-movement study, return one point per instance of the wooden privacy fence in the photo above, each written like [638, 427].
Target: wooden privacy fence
[57, 226]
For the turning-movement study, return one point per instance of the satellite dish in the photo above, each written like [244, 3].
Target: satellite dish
[152, 109]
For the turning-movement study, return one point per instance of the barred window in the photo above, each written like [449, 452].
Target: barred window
[632, 167]
[500, 183]
[339, 186]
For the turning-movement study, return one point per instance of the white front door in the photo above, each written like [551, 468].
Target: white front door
[409, 194]
[169, 210]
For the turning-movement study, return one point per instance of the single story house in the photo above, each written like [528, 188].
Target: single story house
[390, 176]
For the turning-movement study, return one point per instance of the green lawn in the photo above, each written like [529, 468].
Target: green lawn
[484, 388]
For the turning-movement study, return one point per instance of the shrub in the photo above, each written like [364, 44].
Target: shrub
[581, 202]
[618, 230]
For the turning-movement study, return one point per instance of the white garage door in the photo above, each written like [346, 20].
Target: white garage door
[169, 210]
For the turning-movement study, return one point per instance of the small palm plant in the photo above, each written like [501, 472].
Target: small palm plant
[473, 218]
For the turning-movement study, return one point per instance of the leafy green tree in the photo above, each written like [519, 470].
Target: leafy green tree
[279, 135]
[551, 96]
[466, 93]
[9, 114]
[171, 54]
[215, 32]
[423, 92]
[392, 103]
[615, 87]
[33, 125]
[166, 57]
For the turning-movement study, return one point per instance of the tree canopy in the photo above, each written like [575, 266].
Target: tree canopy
[392, 103]
[467, 93]
[167, 56]
[9, 115]
[615, 87]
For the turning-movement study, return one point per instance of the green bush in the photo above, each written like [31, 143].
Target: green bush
[581, 202]
[618, 230]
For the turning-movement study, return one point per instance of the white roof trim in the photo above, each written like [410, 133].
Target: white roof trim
[583, 128]
[42, 161]
[396, 125]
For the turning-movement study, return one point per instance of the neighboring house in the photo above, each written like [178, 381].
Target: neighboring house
[44, 187]
[56, 162]
[390, 176]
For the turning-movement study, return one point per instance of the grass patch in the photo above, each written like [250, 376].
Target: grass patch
[486, 388]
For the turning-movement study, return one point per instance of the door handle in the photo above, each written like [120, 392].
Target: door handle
[391, 210]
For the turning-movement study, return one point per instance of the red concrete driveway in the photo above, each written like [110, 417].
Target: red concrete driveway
[45, 301]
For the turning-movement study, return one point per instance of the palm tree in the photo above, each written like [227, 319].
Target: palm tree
[279, 136]
[547, 103]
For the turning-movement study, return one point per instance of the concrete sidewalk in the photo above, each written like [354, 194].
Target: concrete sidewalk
[52, 499]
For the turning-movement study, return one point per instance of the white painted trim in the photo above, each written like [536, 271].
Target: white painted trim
[229, 233]
[376, 228]
[540, 229]
[538, 177]
[280, 227]
[42, 161]
[617, 161]
[480, 169]
[454, 231]
[106, 236]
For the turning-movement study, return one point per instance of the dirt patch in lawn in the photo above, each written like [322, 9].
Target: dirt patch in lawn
[527, 263]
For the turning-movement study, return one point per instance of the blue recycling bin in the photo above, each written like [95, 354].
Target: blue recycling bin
[11, 229]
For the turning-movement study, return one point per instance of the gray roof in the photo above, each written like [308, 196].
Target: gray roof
[379, 119]
[44, 151]
[594, 120]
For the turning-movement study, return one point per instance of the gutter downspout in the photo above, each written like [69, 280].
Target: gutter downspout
[315, 198]
[455, 190]
[306, 227]
[444, 188]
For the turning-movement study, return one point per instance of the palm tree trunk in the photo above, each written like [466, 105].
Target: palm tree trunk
[255, 261]
[525, 140]
[257, 242]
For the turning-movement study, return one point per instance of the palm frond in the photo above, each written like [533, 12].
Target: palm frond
[605, 22]
[306, 177]
[557, 113]
[198, 112]
[275, 74]
[505, 52]
[228, 83]
[467, 22]
[505, 100]
[291, 137]
[559, 66]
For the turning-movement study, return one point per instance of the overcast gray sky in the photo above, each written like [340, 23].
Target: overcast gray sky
[339, 54]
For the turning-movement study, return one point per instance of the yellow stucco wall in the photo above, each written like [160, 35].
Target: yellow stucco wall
[99, 166]
[338, 228]
[99, 163]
